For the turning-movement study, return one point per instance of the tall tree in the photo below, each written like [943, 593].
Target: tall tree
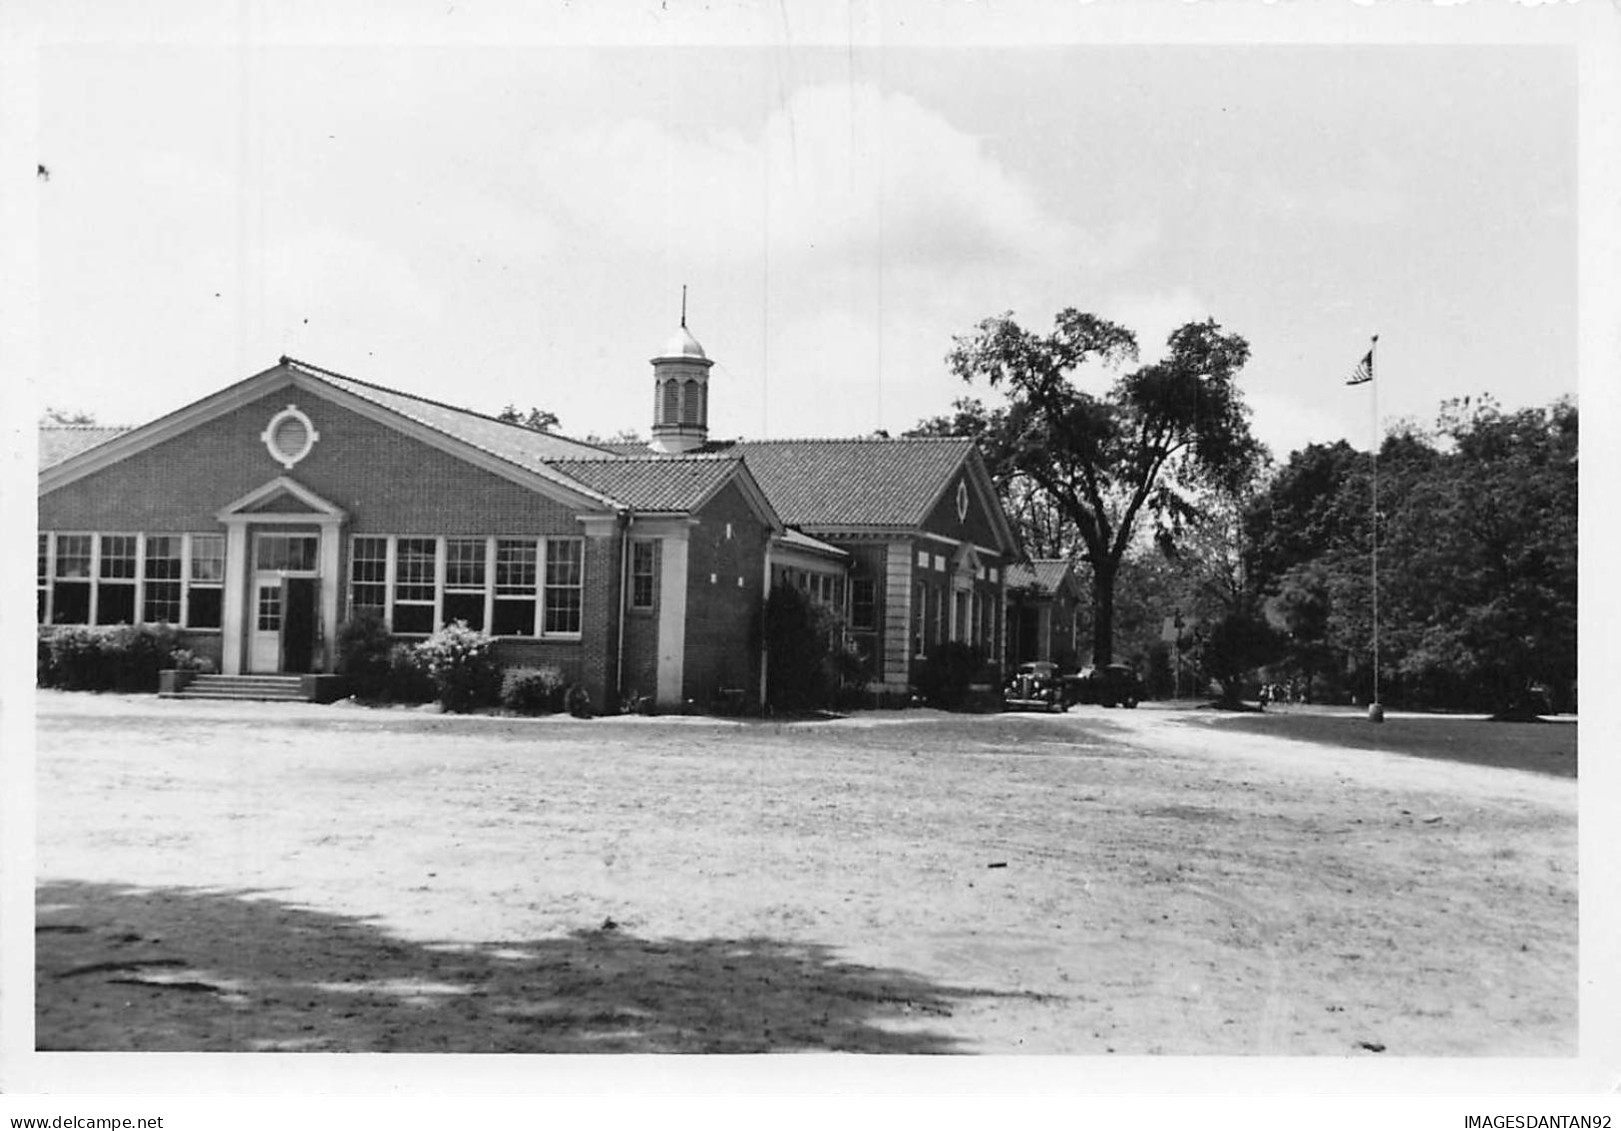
[1477, 558]
[1483, 584]
[1042, 528]
[1142, 447]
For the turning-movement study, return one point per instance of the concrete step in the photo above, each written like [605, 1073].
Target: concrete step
[282, 688]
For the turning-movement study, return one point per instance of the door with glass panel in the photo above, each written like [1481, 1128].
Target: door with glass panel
[283, 600]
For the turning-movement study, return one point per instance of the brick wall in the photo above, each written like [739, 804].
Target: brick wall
[976, 528]
[589, 660]
[389, 483]
[722, 648]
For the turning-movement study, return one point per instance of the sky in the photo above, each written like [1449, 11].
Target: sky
[486, 223]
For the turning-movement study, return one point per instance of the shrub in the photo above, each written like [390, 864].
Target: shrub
[463, 669]
[408, 680]
[45, 671]
[946, 674]
[364, 654]
[138, 653]
[578, 701]
[77, 660]
[804, 663]
[117, 657]
[533, 691]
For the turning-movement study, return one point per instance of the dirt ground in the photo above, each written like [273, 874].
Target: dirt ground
[217, 876]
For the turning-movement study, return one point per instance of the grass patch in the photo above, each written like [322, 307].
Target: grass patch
[1544, 748]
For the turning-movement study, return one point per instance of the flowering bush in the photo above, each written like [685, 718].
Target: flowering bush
[460, 663]
[533, 691]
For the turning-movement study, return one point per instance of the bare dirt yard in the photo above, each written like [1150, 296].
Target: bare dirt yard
[217, 876]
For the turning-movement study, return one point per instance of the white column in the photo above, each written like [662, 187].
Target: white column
[672, 618]
[898, 614]
[234, 598]
[331, 543]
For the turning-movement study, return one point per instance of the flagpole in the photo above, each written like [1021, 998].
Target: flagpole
[1376, 710]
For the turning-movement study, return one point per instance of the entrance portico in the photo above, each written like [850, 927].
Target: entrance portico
[282, 579]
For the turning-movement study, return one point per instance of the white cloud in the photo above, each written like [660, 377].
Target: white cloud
[1154, 316]
[838, 172]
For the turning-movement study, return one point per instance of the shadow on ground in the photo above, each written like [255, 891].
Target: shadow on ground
[174, 969]
[1540, 747]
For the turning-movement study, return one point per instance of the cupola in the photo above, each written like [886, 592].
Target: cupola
[680, 392]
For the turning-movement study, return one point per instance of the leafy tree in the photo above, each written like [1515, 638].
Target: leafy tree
[1041, 527]
[1477, 558]
[1143, 447]
[1236, 644]
[802, 642]
[67, 416]
[537, 419]
[1484, 556]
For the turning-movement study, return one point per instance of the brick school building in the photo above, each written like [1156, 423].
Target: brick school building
[260, 518]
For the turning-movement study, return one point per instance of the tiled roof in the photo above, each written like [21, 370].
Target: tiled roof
[512, 442]
[652, 483]
[820, 483]
[58, 442]
[524, 447]
[799, 540]
[1044, 575]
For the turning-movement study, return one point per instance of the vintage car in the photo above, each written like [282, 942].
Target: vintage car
[1037, 686]
[1108, 685]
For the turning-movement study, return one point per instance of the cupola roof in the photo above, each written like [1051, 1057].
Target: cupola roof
[683, 344]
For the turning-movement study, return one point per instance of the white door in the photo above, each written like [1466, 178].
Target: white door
[264, 648]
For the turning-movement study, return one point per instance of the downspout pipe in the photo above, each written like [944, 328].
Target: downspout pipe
[627, 519]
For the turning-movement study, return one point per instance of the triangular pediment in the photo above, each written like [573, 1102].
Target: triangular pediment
[517, 454]
[282, 496]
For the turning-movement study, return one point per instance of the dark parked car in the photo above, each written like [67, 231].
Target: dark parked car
[1037, 686]
[1108, 685]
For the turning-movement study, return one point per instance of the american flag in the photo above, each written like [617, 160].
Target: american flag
[1363, 373]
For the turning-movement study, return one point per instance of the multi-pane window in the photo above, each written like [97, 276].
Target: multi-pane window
[464, 581]
[70, 598]
[643, 573]
[43, 579]
[414, 584]
[514, 587]
[368, 574]
[285, 551]
[127, 578]
[503, 586]
[863, 605]
[205, 586]
[565, 575]
[160, 599]
[268, 613]
[115, 596]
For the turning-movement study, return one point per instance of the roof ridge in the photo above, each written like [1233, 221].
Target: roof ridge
[436, 404]
[541, 468]
[858, 440]
[651, 457]
[60, 426]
